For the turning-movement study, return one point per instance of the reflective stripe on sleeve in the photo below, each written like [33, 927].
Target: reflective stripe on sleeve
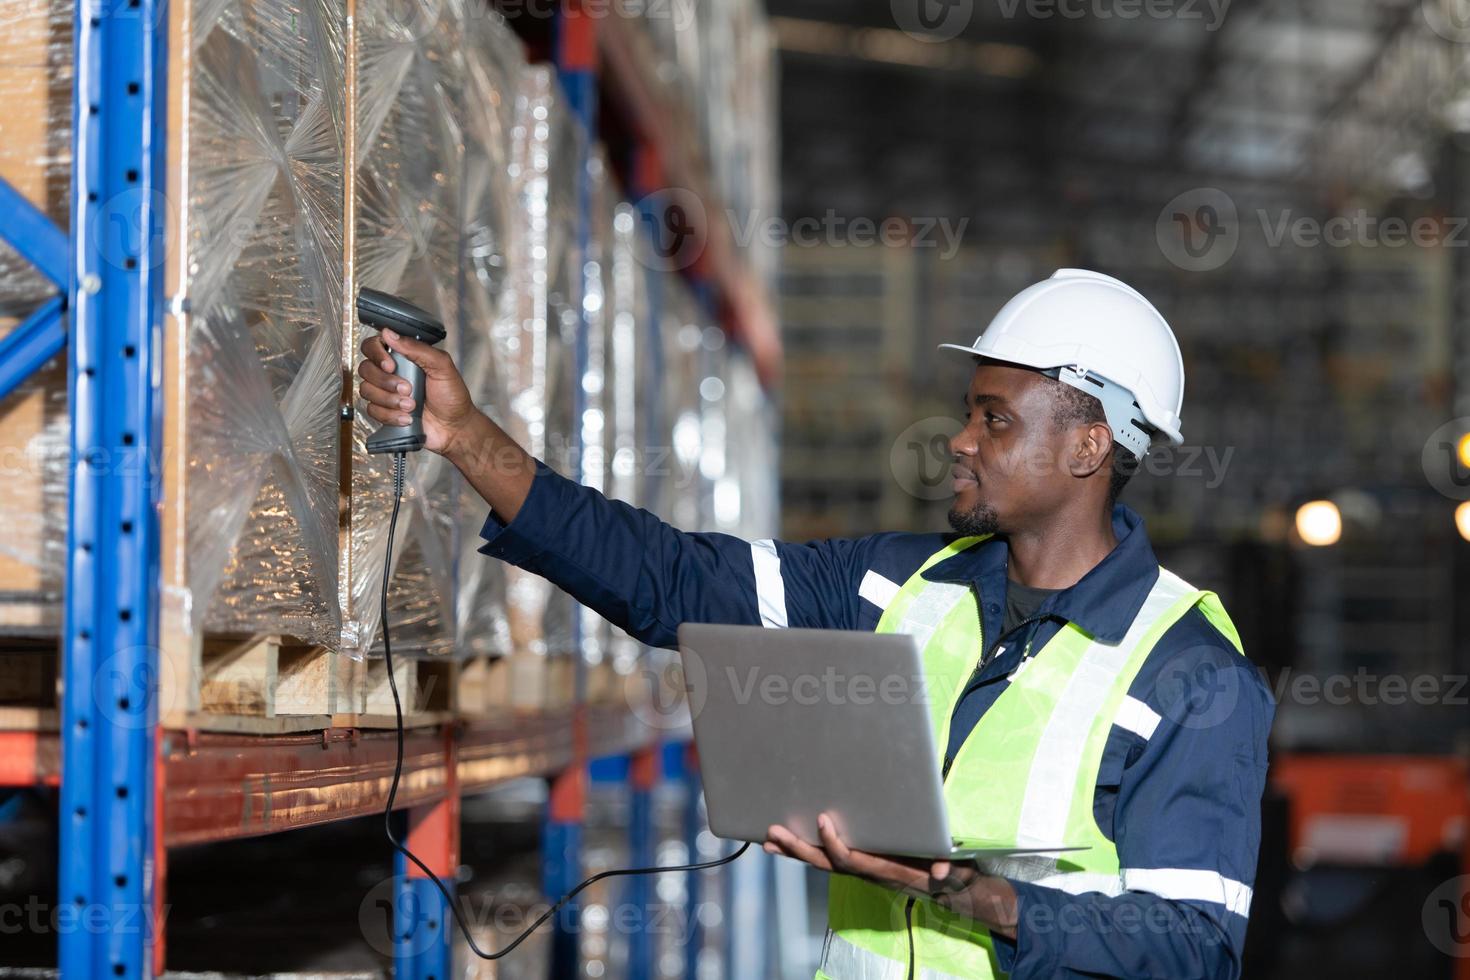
[770, 590]
[1173, 884]
[877, 589]
[1136, 717]
[1190, 885]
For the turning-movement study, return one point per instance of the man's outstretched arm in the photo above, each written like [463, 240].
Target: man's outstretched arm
[634, 569]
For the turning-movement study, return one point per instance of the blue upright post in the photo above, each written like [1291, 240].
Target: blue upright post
[109, 714]
[693, 890]
[561, 864]
[642, 778]
[576, 61]
[423, 932]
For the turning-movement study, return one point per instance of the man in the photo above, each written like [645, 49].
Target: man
[1092, 696]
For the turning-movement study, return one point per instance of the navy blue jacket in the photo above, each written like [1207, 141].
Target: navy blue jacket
[1182, 774]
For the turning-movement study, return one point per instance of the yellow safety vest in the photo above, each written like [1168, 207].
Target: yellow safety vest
[1026, 774]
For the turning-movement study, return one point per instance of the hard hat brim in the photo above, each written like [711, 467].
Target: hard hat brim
[989, 356]
[1170, 433]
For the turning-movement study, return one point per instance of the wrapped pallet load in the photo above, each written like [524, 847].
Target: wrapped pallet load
[628, 340]
[413, 152]
[252, 381]
[252, 375]
[594, 632]
[683, 337]
[35, 159]
[408, 161]
[494, 63]
[539, 356]
[273, 514]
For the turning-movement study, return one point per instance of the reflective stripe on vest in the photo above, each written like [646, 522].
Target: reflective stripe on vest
[1054, 773]
[1025, 776]
[843, 960]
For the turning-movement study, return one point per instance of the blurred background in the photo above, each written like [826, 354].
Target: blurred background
[1288, 181]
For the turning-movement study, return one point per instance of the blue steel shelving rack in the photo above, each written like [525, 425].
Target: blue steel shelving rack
[114, 288]
[109, 281]
[108, 313]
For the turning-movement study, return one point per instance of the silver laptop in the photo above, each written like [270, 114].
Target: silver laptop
[793, 723]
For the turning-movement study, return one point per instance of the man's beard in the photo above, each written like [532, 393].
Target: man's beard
[975, 522]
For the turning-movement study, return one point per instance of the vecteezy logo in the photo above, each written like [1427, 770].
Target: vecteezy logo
[127, 688]
[1446, 917]
[391, 914]
[667, 691]
[411, 20]
[677, 229]
[1450, 19]
[132, 220]
[1199, 230]
[932, 20]
[1196, 692]
[1446, 459]
[920, 459]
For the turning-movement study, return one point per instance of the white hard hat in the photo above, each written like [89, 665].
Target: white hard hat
[1104, 338]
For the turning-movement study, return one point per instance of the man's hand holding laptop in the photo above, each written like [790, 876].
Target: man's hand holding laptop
[957, 885]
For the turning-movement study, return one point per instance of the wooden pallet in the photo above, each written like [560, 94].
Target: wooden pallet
[487, 686]
[273, 684]
[249, 685]
[29, 697]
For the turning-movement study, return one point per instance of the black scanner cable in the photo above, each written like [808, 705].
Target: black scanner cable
[464, 928]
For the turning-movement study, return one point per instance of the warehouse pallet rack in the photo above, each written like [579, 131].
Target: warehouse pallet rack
[129, 789]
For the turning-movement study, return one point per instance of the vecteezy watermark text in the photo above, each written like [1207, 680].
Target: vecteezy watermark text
[678, 226]
[836, 231]
[944, 20]
[1211, 12]
[1201, 229]
[38, 917]
[831, 687]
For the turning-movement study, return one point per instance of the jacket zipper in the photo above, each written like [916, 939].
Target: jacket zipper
[908, 912]
[984, 660]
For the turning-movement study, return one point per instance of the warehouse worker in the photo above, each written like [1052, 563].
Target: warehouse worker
[1106, 701]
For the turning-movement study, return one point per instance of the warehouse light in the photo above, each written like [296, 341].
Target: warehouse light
[1319, 523]
[1462, 520]
[894, 47]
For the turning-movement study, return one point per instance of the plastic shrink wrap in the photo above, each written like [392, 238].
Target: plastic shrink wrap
[682, 327]
[494, 63]
[628, 339]
[35, 158]
[408, 164]
[538, 354]
[252, 378]
[253, 383]
[464, 166]
[594, 633]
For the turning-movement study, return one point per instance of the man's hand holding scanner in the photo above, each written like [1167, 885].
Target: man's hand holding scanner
[495, 465]
[448, 407]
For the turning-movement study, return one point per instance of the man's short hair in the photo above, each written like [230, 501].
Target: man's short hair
[1073, 406]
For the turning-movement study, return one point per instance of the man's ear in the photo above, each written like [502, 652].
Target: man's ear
[1091, 451]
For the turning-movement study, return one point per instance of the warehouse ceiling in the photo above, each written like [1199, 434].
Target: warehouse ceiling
[1038, 102]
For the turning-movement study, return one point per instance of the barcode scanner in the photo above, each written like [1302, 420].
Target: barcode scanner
[384, 311]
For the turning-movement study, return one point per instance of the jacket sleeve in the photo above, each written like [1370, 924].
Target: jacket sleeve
[1187, 827]
[648, 577]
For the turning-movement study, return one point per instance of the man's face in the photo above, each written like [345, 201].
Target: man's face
[1008, 469]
